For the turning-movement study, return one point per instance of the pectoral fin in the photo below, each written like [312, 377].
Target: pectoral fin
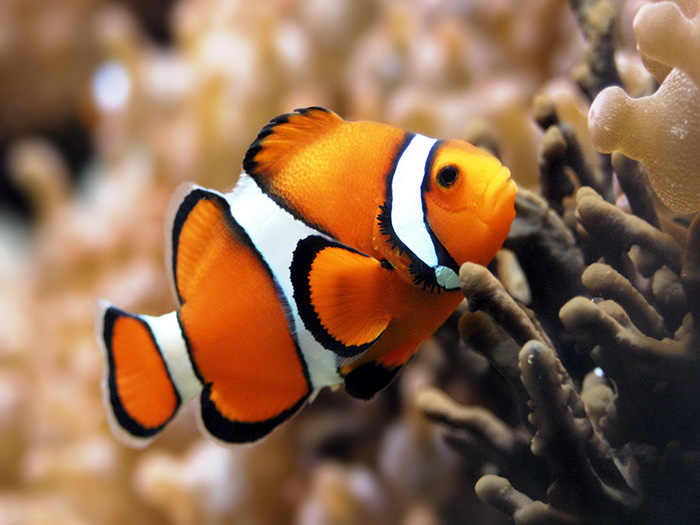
[341, 295]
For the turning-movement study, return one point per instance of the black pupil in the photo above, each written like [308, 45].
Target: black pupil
[447, 176]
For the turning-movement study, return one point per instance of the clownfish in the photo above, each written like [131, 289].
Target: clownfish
[335, 255]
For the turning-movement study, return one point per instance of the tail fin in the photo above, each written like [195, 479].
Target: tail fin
[148, 373]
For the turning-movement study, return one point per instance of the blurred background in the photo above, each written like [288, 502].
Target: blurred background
[105, 107]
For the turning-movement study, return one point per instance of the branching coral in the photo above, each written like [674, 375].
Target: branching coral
[579, 458]
[547, 251]
[625, 450]
[566, 440]
[597, 19]
[623, 444]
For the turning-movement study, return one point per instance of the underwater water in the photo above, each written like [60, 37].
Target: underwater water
[564, 389]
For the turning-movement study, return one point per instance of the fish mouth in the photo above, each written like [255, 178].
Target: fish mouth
[502, 178]
[498, 195]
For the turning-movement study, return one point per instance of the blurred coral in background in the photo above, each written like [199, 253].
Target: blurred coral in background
[106, 107]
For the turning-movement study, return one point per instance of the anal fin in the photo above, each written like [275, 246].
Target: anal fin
[363, 379]
[366, 380]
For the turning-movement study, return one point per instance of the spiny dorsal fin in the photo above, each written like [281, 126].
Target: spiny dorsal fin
[284, 135]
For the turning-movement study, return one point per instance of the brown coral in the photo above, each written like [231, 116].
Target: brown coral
[620, 451]
[624, 447]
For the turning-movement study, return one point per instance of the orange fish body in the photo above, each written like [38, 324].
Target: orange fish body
[334, 256]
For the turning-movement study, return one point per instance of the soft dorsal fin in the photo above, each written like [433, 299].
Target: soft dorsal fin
[199, 224]
[286, 134]
[341, 295]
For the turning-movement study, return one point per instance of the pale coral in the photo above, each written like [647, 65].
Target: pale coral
[661, 131]
[666, 31]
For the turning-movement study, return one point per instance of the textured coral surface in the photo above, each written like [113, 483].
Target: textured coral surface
[660, 130]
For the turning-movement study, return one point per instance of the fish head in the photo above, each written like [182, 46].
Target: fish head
[448, 202]
[469, 205]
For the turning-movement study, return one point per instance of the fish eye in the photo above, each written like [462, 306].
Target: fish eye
[447, 176]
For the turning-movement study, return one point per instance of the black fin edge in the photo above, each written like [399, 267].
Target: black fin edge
[183, 212]
[231, 431]
[366, 380]
[249, 163]
[125, 421]
[306, 251]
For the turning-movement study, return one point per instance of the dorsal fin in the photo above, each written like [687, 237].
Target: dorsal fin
[286, 134]
[198, 226]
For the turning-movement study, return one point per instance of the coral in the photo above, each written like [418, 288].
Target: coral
[659, 130]
[633, 182]
[616, 456]
[565, 439]
[618, 443]
[504, 377]
[547, 251]
[665, 131]
[561, 141]
[616, 231]
[665, 31]
[597, 19]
